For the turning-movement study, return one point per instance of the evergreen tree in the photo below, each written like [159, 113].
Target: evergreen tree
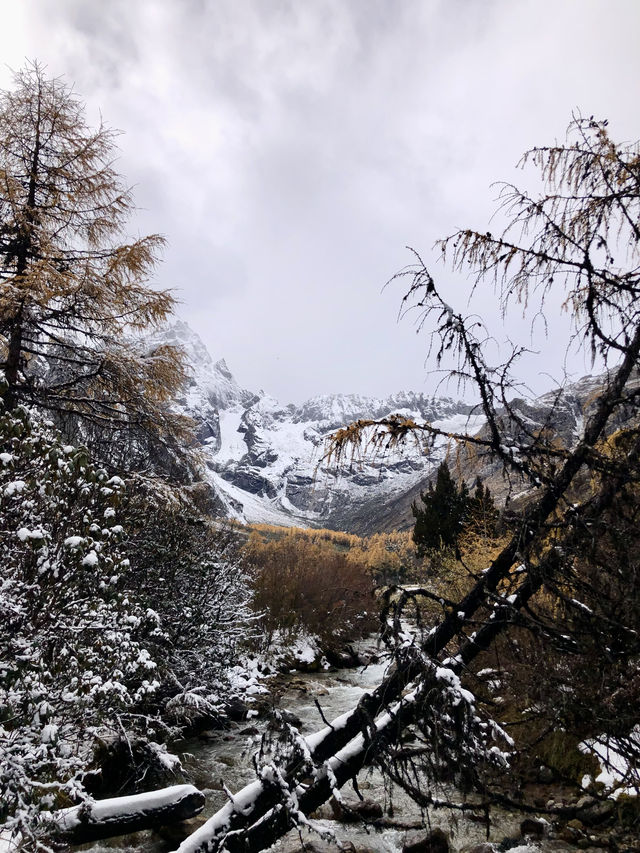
[443, 513]
[73, 640]
[72, 293]
[482, 515]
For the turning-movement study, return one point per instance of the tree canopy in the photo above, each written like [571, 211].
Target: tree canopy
[74, 292]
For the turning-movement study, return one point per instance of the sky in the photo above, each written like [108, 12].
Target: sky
[290, 151]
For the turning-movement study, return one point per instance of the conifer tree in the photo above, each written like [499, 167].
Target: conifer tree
[441, 517]
[482, 514]
[73, 291]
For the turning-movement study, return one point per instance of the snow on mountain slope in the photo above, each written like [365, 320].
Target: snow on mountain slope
[211, 387]
[232, 444]
[243, 506]
[264, 460]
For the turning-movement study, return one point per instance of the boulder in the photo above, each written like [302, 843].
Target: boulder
[508, 842]
[532, 827]
[351, 811]
[291, 718]
[236, 710]
[434, 841]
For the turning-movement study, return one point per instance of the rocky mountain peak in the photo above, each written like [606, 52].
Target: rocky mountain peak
[221, 367]
[265, 460]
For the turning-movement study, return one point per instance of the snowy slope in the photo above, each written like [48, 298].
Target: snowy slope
[264, 460]
[210, 389]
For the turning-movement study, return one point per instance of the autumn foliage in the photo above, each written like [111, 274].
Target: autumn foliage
[312, 586]
[74, 292]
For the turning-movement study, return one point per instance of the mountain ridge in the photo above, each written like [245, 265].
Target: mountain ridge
[264, 461]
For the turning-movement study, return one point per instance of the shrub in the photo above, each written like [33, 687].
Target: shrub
[304, 586]
[73, 652]
[190, 571]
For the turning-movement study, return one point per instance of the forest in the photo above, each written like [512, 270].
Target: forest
[132, 618]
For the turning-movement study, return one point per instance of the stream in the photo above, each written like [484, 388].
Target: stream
[336, 692]
[226, 759]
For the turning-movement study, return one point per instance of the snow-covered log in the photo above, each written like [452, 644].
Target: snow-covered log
[254, 817]
[271, 823]
[120, 815]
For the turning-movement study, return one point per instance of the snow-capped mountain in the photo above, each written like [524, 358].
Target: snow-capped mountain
[275, 454]
[211, 387]
[265, 462]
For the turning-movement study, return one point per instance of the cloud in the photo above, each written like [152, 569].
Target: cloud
[290, 150]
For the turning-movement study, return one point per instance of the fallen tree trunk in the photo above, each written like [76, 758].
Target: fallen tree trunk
[265, 810]
[121, 815]
[257, 815]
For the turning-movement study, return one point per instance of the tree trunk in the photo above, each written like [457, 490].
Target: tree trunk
[121, 815]
[23, 252]
[12, 364]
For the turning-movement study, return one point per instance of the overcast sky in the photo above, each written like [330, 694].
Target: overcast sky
[290, 149]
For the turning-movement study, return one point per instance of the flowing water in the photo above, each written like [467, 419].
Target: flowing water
[226, 761]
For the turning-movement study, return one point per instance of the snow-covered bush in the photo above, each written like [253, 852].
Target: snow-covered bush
[190, 571]
[72, 656]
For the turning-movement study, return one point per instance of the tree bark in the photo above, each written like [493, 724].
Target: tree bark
[24, 248]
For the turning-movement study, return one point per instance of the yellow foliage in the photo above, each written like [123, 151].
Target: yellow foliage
[387, 554]
[73, 286]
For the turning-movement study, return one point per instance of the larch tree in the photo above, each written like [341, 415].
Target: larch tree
[74, 294]
[566, 574]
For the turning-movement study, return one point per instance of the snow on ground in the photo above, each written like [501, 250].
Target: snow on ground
[615, 773]
[9, 843]
[288, 441]
[304, 648]
[463, 424]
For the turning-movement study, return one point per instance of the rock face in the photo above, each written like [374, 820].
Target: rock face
[210, 388]
[264, 460]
